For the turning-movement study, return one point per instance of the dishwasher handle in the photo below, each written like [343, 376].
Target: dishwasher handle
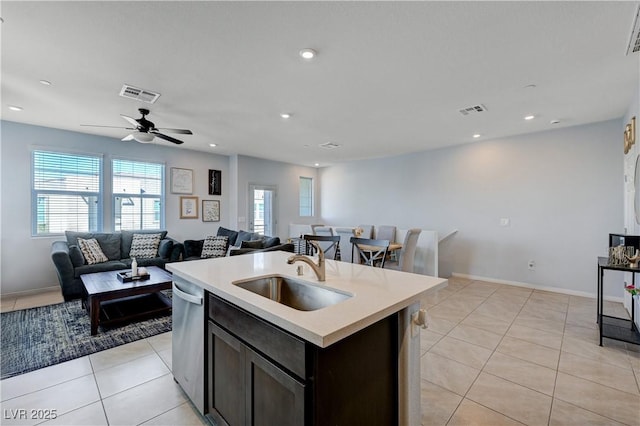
[191, 298]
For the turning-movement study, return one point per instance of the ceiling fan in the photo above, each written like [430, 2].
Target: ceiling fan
[145, 131]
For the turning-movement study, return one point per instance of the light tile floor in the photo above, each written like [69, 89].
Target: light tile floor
[492, 355]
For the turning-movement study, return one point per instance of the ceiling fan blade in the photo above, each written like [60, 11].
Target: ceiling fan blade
[112, 127]
[131, 120]
[167, 138]
[179, 131]
[128, 138]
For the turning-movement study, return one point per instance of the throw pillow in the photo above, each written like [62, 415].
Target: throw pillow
[214, 246]
[91, 251]
[229, 233]
[145, 246]
[77, 259]
[271, 242]
[243, 236]
[255, 244]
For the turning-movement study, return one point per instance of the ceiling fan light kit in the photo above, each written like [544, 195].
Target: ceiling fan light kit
[143, 137]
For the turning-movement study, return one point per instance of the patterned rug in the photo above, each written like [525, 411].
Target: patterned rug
[40, 337]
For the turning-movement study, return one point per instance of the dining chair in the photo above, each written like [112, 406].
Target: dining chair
[331, 246]
[367, 231]
[387, 232]
[369, 251]
[408, 251]
[345, 235]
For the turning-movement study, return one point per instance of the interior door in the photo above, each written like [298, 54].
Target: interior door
[262, 209]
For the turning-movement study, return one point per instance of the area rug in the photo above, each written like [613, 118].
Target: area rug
[39, 337]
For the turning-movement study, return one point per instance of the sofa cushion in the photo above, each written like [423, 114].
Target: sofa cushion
[77, 259]
[214, 246]
[192, 249]
[144, 246]
[244, 236]
[112, 265]
[109, 241]
[271, 241]
[254, 244]
[91, 251]
[127, 238]
[229, 233]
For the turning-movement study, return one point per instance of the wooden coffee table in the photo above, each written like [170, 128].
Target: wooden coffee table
[110, 301]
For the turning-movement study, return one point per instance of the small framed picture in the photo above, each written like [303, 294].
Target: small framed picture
[215, 182]
[188, 207]
[181, 181]
[210, 210]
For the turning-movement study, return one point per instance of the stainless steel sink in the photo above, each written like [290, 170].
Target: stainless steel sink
[294, 293]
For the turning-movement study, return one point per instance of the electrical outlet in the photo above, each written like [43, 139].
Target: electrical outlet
[531, 265]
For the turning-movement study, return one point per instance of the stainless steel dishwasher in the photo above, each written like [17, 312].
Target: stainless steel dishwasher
[188, 340]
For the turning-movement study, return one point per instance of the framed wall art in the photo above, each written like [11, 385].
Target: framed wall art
[181, 181]
[188, 207]
[210, 210]
[215, 182]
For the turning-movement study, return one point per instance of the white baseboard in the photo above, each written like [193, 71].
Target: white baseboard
[537, 287]
[29, 292]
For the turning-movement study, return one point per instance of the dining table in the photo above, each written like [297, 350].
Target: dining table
[391, 250]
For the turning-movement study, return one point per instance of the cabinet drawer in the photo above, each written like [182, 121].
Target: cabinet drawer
[277, 344]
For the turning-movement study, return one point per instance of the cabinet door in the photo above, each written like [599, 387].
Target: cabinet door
[226, 378]
[273, 396]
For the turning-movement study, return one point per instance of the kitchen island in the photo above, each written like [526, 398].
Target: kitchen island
[377, 302]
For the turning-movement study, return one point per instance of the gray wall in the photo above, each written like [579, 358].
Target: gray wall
[26, 262]
[286, 178]
[560, 189]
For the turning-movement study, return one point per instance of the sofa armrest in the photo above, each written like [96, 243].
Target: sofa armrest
[62, 261]
[165, 248]
[177, 252]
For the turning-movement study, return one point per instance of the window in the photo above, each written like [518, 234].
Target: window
[138, 194]
[306, 196]
[66, 193]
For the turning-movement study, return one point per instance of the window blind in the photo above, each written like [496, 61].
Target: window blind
[138, 194]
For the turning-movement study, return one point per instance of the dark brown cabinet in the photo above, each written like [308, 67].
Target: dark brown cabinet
[259, 374]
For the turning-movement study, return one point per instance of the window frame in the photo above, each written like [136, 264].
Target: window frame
[161, 210]
[36, 194]
[311, 196]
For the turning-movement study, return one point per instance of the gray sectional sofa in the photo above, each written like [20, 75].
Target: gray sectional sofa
[240, 242]
[70, 263]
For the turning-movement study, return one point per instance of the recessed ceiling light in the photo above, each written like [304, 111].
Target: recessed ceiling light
[555, 121]
[477, 135]
[529, 117]
[45, 82]
[15, 108]
[530, 86]
[285, 115]
[213, 145]
[308, 53]
[317, 164]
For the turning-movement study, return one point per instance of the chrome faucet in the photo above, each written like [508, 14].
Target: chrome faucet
[319, 269]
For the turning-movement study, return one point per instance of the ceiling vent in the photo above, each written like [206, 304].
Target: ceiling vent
[329, 145]
[473, 109]
[634, 43]
[139, 94]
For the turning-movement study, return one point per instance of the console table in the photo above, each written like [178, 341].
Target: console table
[613, 327]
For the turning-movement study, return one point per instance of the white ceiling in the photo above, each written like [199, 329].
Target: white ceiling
[389, 77]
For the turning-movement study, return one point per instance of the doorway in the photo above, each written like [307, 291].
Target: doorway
[262, 209]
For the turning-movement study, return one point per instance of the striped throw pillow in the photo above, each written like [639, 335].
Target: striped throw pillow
[92, 251]
[145, 246]
[214, 246]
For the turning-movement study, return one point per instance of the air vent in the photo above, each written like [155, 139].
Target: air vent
[329, 145]
[634, 42]
[473, 109]
[139, 94]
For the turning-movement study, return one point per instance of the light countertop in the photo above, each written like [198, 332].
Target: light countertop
[377, 293]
